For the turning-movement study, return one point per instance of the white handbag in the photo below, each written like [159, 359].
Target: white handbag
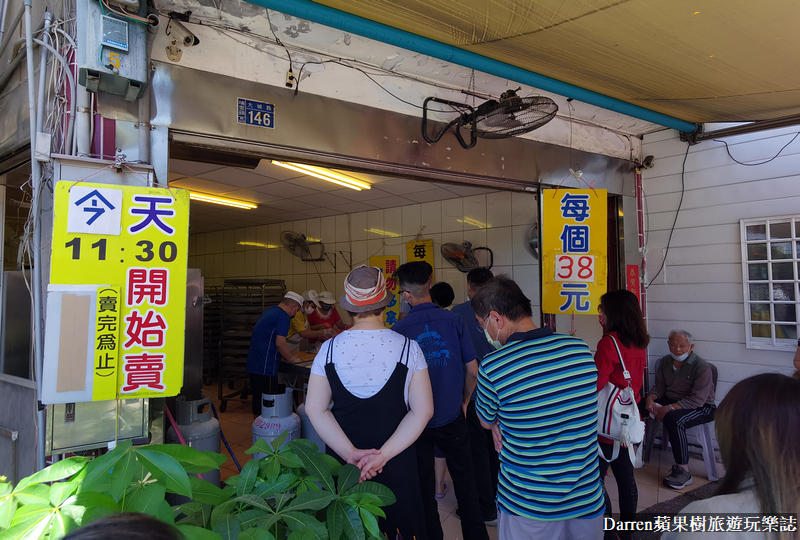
[618, 417]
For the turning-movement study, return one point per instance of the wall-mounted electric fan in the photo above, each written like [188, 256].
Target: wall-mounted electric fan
[298, 245]
[464, 257]
[532, 240]
[493, 119]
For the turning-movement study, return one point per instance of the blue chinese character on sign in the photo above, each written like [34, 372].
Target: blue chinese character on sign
[576, 293]
[152, 214]
[575, 239]
[575, 207]
[393, 302]
[94, 198]
[391, 317]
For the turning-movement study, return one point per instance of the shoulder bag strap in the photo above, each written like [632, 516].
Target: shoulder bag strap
[625, 372]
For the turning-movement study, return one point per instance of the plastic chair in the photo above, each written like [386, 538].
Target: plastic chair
[703, 434]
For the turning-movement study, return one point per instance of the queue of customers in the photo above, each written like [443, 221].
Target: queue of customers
[512, 409]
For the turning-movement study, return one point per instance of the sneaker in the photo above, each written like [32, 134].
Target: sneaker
[488, 522]
[678, 478]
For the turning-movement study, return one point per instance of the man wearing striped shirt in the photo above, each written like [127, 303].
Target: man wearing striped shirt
[538, 395]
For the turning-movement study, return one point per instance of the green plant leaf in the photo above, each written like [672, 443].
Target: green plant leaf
[193, 461]
[34, 494]
[221, 511]
[166, 469]
[383, 493]
[348, 477]
[145, 500]
[197, 533]
[32, 529]
[315, 464]
[57, 471]
[353, 528]
[288, 458]
[267, 490]
[62, 523]
[370, 523]
[164, 512]
[312, 500]
[255, 534]
[122, 474]
[91, 499]
[228, 528]
[95, 513]
[61, 491]
[335, 520]
[30, 512]
[255, 501]
[205, 492]
[281, 499]
[7, 508]
[247, 478]
[259, 447]
[299, 520]
[251, 518]
[306, 533]
[272, 469]
[5, 489]
[277, 442]
[97, 477]
[332, 462]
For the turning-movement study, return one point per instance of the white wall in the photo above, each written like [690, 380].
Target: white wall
[700, 288]
[506, 216]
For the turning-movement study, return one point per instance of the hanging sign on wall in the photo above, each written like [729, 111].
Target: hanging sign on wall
[574, 249]
[421, 250]
[117, 296]
[388, 264]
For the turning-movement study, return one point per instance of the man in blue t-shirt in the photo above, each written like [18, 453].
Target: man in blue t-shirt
[444, 339]
[268, 345]
[484, 456]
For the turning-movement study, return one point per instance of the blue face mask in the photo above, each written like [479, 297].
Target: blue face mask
[680, 358]
[493, 342]
[326, 308]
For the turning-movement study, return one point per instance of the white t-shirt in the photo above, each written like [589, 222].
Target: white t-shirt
[365, 359]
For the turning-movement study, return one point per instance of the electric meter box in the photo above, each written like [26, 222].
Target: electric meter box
[112, 51]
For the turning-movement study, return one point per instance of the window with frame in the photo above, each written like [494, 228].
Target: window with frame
[771, 270]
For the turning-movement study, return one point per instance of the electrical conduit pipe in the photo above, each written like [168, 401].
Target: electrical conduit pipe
[341, 20]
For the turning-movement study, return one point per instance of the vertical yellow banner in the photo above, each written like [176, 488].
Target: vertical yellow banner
[132, 243]
[388, 264]
[106, 344]
[574, 250]
[420, 250]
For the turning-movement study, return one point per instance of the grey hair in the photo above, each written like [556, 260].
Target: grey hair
[683, 333]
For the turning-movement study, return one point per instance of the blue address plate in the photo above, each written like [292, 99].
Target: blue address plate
[256, 113]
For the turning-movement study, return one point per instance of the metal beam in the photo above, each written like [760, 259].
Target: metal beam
[341, 20]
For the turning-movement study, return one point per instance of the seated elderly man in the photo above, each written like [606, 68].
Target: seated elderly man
[682, 397]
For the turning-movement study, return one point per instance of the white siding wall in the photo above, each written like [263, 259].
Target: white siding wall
[700, 288]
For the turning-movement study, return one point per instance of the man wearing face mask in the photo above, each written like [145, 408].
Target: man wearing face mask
[538, 395]
[445, 342]
[682, 397]
[299, 327]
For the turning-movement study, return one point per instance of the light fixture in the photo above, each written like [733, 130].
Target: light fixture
[324, 174]
[202, 197]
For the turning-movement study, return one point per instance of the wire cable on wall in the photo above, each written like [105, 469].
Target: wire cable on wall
[672, 229]
[727, 149]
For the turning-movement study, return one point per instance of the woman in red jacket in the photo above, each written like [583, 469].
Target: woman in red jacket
[622, 320]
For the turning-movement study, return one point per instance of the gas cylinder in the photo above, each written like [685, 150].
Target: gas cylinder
[276, 418]
[307, 430]
[200, 430]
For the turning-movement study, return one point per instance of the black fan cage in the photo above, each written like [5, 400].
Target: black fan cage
[514, 116]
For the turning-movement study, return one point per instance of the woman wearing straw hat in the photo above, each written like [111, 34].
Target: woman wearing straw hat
[379, 384]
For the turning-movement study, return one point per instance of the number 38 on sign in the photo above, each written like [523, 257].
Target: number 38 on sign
[575, 268]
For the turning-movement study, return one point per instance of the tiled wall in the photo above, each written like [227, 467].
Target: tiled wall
[498, 220]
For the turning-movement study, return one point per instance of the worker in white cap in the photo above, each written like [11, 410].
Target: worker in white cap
[326, 315]
[268, 346]
[299, 327]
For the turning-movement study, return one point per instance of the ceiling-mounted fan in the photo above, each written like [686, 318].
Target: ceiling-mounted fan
[463, 256]
[298, 245]
[493, 119]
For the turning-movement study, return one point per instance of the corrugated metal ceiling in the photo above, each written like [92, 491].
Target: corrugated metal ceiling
[698, 60]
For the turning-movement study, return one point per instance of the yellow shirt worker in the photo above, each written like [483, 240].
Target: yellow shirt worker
[298, 326]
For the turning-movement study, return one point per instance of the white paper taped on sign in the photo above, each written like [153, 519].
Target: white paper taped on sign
[94, 210]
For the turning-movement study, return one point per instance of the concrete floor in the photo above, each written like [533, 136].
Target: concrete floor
[237, 421]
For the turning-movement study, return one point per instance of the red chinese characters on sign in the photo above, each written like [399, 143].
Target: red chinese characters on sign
[147, 284]
[145, 329]
[146, 332]
[632, 280]
[142, 371]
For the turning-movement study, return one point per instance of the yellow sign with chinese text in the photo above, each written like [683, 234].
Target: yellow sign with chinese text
[130, 242]
[574, 250]
[387, 265]
[421, 250]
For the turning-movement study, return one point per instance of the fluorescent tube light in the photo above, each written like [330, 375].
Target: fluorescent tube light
[324, 174]
[202, 197]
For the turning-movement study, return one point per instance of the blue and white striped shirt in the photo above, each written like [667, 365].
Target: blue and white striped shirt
[541, 388]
